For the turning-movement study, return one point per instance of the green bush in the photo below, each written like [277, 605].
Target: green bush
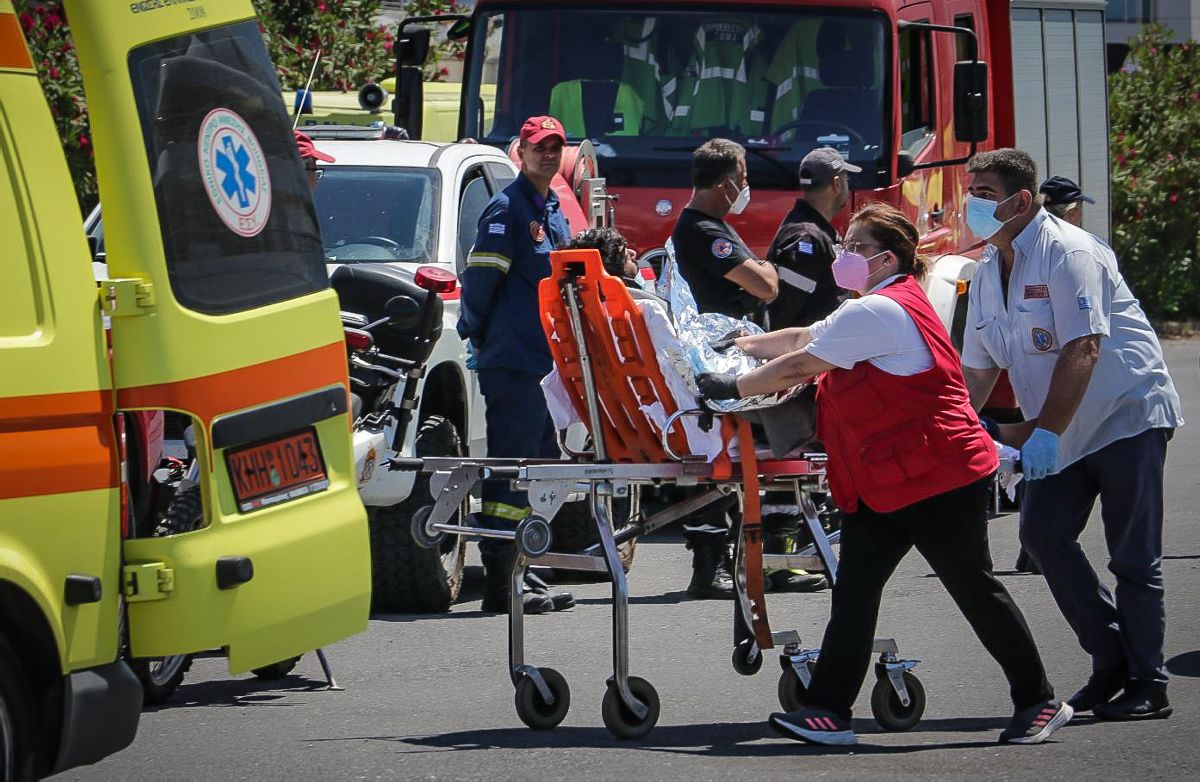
[1154, 110]
[354, 49]
[49, 38]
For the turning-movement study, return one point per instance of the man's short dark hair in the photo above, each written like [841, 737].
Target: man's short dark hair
[714, 160]
[609, 242]
[1016, 169]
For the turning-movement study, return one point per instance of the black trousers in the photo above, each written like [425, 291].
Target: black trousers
[950, 532]
[1127, 476]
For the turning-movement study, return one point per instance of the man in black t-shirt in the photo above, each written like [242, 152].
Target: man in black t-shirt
[803, 248]
[725, 277]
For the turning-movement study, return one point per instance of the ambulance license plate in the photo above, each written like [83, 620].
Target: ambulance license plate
[277, 471]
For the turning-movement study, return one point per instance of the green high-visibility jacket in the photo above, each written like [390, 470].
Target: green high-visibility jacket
[721, 94]
[794, 72]
[626, 116]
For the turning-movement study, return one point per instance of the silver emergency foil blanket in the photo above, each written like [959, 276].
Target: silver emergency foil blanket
[697, 330]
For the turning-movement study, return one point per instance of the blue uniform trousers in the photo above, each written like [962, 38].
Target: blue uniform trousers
[1127, 475]
[518, 425]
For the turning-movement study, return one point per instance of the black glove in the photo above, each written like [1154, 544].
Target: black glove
[991, 427]
[717, 386]
[726, 342]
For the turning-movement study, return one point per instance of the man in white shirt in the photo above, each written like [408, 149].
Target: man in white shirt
[1049, 304]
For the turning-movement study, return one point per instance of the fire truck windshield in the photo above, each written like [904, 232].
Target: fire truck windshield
[647, 87]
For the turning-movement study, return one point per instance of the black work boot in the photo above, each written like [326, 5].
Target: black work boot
[1100, 688]
[497, 575]
[711, 579]
[784, 535]
[561, 600]
[1140, 701]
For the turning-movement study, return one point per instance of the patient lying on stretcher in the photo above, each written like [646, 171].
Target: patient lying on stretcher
[681, 338]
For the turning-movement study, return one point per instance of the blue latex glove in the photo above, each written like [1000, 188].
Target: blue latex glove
[472, 359]
[1039, 454]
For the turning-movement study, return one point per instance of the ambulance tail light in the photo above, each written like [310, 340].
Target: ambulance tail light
[436, 280]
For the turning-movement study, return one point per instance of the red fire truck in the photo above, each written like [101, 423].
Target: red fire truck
[905, 89]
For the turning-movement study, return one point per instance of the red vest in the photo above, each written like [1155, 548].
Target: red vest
[893, 441]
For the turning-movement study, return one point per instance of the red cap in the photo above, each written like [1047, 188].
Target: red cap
[537, 128]
[309, 150]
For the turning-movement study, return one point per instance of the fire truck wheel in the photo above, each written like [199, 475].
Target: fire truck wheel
[574, 531]
[406, 578]
[17, 718]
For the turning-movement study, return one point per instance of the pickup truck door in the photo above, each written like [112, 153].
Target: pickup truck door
[221, 309]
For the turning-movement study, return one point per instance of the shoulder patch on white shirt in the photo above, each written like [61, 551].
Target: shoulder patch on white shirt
[496, 228]
[1084, 302]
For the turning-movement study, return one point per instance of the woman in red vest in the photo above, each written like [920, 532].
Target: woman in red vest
[909, 464]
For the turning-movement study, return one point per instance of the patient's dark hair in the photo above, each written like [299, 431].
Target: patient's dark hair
[609, 242]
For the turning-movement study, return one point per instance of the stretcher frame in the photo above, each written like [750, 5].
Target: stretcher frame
[574, 311]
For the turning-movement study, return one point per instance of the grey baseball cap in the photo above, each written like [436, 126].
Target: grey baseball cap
[820, 166]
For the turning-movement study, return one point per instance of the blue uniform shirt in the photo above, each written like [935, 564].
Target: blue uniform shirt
[499, 309]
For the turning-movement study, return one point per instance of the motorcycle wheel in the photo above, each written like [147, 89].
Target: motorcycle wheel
[406, 578]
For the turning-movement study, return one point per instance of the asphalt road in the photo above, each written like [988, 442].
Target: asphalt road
[430, 696]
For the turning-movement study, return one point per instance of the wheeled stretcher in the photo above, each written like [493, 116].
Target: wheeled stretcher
[607, 360]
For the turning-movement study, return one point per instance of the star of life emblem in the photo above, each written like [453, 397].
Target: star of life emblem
[234, 172]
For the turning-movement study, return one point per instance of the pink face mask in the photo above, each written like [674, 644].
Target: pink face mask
[852, 270]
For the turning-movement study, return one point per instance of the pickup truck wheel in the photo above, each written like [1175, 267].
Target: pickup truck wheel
[574, 530]
[17, 718]
[406, 578]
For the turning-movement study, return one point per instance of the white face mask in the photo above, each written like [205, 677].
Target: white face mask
[738, 205]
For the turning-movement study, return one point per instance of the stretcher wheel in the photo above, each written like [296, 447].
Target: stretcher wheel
[791, 690]
[420, 535]
[886, 706]
[742, 661]
[620, 721]
[533, 536]
[534, 711]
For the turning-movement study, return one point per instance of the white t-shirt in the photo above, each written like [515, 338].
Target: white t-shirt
[875, 329]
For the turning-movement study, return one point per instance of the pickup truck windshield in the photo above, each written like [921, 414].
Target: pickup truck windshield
[378, 214]
[648, 87]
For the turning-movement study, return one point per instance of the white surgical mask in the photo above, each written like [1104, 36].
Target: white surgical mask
[741, 202]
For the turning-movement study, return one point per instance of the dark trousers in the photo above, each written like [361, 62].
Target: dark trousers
[518, 425]
[950, 532]
[1127, 476]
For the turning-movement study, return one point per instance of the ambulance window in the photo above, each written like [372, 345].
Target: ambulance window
[916, 89]
[960, 43]
[475, 198]
[234, 208]
[21, 306]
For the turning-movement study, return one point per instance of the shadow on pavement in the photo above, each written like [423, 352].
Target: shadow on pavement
[1186, 664]
[240, 692]
[729, 739]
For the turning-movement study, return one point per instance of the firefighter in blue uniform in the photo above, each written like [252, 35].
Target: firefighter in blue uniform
[499, 315]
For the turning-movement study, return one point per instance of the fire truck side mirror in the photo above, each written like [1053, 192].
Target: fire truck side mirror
[970, 101]
[412, 47]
